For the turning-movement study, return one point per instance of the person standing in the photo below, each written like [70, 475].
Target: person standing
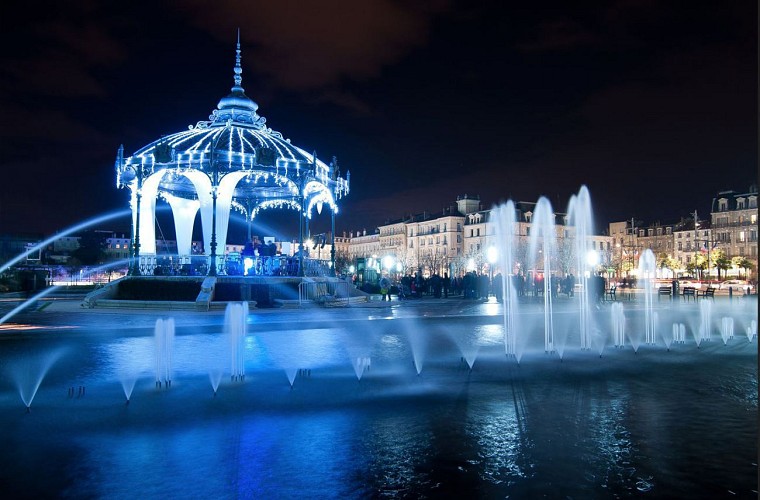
[385, 288]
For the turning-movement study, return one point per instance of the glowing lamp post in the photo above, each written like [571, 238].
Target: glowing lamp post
[592, 260]
[491, 256]
[389, 263]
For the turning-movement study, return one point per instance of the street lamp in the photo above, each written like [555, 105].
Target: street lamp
[592, 260]
[491, 256]
[388, 262]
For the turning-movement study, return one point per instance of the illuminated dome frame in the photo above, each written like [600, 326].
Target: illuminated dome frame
[232, 161]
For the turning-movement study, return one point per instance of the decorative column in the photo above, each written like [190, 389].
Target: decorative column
[300, 237]
[136, 228]
[212, 265]
[332, 241]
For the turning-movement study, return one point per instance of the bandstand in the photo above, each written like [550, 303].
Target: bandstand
[233, 161]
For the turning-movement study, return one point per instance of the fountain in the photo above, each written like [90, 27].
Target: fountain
[236, 324]
[361, 365]
[752, 330]
[506, 224]
[502, 426]
[726, 329]
[581, 218]
[618, 324]
[679, 333]
[28, 372]
[647, 266]
[164, 347]
[705, 325]
[542, 252]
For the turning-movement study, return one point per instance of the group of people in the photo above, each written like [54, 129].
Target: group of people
[477, 286]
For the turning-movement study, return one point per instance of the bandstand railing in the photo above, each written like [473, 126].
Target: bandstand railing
[198, 265]
[335, 293]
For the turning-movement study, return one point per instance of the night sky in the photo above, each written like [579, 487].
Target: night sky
[653, 105]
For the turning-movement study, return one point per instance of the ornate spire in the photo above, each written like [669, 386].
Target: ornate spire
[238, 68]
[237, 107]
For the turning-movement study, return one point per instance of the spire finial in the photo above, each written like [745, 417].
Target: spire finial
[238, 69]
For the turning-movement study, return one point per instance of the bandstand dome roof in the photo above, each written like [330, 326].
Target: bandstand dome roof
[235, 139]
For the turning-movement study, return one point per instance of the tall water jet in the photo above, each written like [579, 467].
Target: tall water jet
[618, 324]
[236, 324]
[581, 217]
[705, 325]
[679, 333]
[647, 266]
[542, 253]
[73, 229]
[164, 336]
[726, 329]
[28, 373]
[505, 217]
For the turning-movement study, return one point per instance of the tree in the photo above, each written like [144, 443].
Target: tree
[720, 260]
[666, 261]
[743, 262]
[697, 265]
[342, 261]
[91, 249]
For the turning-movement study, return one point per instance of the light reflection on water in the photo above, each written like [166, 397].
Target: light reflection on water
[501, 442]
[589, 427]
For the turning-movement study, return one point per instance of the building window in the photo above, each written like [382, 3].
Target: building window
[659, 231]
[459, 226]
[668, 231]
[722, 204]
[753, 202]
[740, 203]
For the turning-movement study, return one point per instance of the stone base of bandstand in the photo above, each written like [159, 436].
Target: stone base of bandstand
[218, 291]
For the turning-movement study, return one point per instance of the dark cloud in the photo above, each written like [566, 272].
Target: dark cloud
[421, 101]
[308, 45]
[558, 35]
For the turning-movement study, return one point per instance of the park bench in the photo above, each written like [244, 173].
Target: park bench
[709, 292]
[611, 293]
[689, 292]
[664, 291]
